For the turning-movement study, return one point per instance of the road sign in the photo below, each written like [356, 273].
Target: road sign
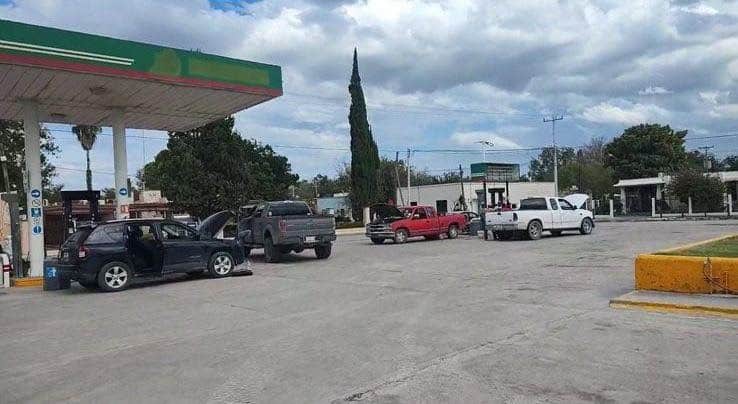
[37, 229]
[123, 191]
[35, 212]
[35, 193]
[496, 172]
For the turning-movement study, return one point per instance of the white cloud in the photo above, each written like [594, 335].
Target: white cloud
[628, 114]
[654, 90]
[700, 9]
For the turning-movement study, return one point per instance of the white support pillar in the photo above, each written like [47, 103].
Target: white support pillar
[120, 163]
[612, 208]
[623, 200]
[730, 205]
[653, 207]
[689, 201]
[32, 130]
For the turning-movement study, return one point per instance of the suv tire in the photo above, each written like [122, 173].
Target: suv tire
[114, 276]
[221, 264]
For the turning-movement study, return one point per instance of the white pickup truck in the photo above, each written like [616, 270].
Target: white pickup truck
[539, 214]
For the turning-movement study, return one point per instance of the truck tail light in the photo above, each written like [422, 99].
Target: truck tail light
[83, 252]
[7, 268]
[282, 225]
[515, 217]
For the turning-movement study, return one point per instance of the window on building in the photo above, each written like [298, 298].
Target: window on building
[442, 206]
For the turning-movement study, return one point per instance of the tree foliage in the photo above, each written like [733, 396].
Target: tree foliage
[646, 150]
[706, 190]
[86, 135]
[365, 163]
[12, 146]
[212, 168]
[729, 163]
[541, 168]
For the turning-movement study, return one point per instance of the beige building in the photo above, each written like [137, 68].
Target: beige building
[445, 197]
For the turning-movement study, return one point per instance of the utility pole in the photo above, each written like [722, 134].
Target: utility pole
[485, 144]
[3, 162]
[553, 120]
[397, 177]
[408, 176]
[461, 181]
[705, 157]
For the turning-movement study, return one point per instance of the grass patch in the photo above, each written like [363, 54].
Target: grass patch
[727, 248]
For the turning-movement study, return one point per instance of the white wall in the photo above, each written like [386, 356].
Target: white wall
[429, 194]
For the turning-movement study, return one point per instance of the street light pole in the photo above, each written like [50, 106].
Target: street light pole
[485, 144]
[553, 120]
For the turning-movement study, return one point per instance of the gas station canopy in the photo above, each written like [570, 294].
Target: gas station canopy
[80, 78]
[56, 76]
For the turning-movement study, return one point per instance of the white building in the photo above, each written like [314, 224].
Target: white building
[445, 197]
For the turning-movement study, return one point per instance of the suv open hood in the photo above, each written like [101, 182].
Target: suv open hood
[384, 211]
[214, 223]
[578, 200]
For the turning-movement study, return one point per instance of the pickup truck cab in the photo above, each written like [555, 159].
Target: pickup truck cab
[284, 226]
[539, 214]
[398, 224]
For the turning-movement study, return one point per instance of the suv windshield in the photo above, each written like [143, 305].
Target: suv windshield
[533, 204]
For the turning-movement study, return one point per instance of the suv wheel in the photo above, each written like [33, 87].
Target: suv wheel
[271, 252]
[221, 264]
[535, 230]
[114, 276]
[323, 251]
[586, 227]
[400, 236]
[453, 231]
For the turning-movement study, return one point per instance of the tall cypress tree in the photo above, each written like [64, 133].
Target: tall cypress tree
[364, 152]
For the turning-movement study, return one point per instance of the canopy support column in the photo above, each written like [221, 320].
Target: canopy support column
[34, 204]
[120, 162]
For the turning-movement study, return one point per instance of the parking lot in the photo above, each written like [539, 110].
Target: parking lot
[452, 320]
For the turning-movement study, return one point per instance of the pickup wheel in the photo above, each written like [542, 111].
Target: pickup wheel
[587, 226]
[453, 231]
[323, 251]
[377, 240]
[400, 236]
[221, 264]
[271, 252]
[535, 230]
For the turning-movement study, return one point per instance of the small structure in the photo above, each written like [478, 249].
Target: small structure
[338, 205]
[445, 197]
[636, 193]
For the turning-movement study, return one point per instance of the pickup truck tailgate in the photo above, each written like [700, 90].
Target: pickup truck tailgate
[302, 227]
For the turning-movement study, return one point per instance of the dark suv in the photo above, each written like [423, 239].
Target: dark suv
[110, 254]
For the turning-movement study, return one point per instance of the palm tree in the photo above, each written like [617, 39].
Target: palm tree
[86, 135]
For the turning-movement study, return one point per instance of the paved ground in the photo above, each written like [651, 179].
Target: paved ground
[452, 320]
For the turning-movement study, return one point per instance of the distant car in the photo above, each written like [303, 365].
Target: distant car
[109, 255]
[399, 224]
[472, 222]
[539, 214]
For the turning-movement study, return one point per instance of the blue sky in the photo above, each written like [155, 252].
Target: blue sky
[437, 75]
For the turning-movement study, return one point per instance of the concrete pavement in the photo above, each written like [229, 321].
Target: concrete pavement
[431, 321]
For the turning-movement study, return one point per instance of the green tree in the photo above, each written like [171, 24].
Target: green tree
[212, 168]
[646, 150]
[541, 168]
[364, 153]
[87, 135]
[12, 147]
[706, 190]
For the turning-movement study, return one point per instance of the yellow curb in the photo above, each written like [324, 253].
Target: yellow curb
[675, 308]
[685, 274]
[30, 282]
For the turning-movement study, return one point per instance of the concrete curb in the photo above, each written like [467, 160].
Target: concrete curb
[677, 303]
[30, 282]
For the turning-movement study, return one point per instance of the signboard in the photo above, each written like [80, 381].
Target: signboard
[495, 172]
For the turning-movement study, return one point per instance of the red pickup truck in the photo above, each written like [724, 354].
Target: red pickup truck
[398, 224]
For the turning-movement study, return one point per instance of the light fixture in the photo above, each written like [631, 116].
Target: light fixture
[58, 116]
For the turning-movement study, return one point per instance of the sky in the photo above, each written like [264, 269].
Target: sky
[436, 74]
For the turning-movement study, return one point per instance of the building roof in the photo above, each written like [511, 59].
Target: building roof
[79, 78]
[725, 176]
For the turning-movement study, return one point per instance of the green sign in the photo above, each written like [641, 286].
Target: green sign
[495, 172]
[34, 45]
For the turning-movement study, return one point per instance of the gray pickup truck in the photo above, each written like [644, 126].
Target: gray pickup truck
[285, 226]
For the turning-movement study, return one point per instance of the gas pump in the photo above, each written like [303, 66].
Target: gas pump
[68, 197]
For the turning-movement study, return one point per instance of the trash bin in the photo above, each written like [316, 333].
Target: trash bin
[53, 278]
